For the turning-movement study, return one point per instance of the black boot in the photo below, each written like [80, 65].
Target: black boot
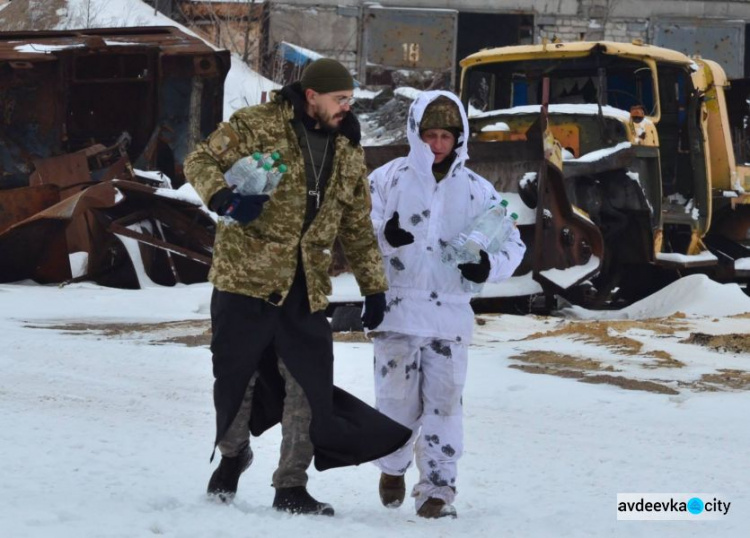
[296, 500]
[223, 483]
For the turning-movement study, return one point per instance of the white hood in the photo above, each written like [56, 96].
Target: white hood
[426, 296]
[420, 156]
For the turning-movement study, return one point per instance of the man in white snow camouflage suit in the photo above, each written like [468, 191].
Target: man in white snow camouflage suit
[420, 202]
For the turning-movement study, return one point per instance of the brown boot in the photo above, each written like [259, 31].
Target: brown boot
[434, 508]
[392, 490]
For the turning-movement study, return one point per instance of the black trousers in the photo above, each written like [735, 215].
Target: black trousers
[246, 331]
[248, 336]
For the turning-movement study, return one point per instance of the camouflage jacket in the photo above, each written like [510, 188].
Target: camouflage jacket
[260, 259]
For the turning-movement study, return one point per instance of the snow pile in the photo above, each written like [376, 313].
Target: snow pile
[600, 154]
[704, 256]
[408, 93]
[584, 109]
[694, 295]
[38, 48]
[567, 277]
[498, 126]
[113, 14]
[244, 87]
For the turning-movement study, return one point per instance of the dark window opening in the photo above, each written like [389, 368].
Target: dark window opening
[477, 31]
[108, 67]
[674, 141]
[624, 83]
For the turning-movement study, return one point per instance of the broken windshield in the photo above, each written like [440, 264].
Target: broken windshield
[619, 82]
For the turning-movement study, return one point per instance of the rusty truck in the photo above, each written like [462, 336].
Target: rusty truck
[622, 160]
[625, 159]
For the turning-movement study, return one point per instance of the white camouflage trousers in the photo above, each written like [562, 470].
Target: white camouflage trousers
[419, 382]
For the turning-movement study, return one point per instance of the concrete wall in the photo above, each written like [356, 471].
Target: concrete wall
[564, 8]
[331, 26]
[332, 31]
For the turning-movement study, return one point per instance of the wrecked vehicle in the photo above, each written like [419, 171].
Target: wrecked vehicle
[86, 114]
[622, 159]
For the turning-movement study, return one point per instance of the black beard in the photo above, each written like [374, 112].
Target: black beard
[328, 127]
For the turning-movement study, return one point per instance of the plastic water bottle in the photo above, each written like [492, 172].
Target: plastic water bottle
[489, 232]
[507, 226]
[256, 173]
[480, 231]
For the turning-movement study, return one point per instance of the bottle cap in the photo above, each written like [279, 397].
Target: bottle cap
[267, 166]
[276, 155]
[257, 155]
[514, 216]
[282, 168]
[504, 203]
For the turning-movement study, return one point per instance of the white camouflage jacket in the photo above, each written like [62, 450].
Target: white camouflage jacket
[425, 296]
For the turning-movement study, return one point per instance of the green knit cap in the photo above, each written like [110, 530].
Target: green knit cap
[326, 75]
[442, 113]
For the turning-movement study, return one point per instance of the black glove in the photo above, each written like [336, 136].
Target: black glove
[395, 235]
[374, 310]
[476, 272]
[244, 208]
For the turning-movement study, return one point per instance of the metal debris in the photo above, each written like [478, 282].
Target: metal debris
[78, 108]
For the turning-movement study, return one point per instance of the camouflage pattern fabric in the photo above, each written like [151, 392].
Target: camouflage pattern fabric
[259, 259]
[442, 113]
[296, 448]
[238, 434]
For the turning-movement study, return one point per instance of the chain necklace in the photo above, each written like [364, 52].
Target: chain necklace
[319, 172]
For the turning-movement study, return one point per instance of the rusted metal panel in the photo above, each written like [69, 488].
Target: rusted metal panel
[64, 91]
[74, 171]
[721, 41]
[19, 204]
[162, 244]
[36, 248]
[65, 171]
[39, 246]
[405, 38]
[75, 108]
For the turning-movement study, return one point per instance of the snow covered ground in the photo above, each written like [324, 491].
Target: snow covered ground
[106, 418]
[106, 423]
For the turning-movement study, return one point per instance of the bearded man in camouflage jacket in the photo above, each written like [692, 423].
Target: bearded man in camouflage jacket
[271, 342]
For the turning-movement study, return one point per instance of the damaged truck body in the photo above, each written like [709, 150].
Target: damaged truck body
[87, 117]
[621, 158]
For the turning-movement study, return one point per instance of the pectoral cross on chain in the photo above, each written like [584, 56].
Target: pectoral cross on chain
[317, 198]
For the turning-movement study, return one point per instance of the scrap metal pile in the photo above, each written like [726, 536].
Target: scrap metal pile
[87, 117]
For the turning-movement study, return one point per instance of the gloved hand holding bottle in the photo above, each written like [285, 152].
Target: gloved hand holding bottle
[251, 179]
[468, 251]
[256, 173]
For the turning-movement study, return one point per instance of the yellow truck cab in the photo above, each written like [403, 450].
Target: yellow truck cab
[624, 152]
